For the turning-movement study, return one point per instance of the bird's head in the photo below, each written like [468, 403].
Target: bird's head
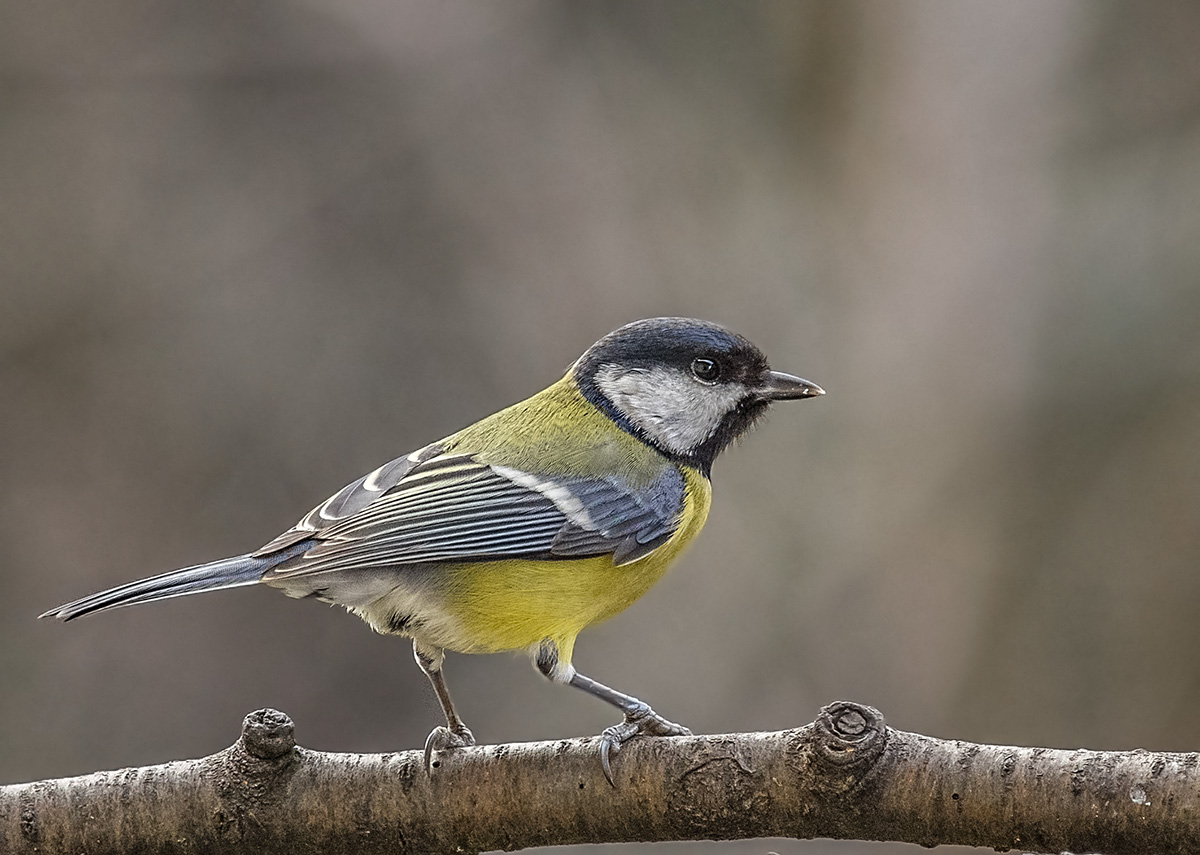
[687, 387]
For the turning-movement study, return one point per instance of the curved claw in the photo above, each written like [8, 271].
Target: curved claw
[643, 722]
[608, 743]
[442, 739]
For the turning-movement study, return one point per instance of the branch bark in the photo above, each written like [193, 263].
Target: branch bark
[847, 776]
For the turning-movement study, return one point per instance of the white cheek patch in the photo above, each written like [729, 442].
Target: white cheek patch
[673, 408]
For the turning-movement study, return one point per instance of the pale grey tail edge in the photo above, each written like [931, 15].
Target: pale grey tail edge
[226, 573]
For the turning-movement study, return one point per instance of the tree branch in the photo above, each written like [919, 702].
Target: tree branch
[847, 776]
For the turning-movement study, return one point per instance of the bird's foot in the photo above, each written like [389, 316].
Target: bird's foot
[442, 739]
[642, 721]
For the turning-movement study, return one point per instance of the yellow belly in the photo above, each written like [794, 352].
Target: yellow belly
[514, 604]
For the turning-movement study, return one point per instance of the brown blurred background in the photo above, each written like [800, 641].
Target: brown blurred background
[249, 251]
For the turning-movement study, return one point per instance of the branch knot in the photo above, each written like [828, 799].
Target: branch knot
[848, 733]
[268, 734]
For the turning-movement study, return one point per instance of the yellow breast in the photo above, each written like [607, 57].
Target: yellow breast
[514, 604]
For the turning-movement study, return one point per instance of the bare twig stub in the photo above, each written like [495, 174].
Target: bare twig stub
[847, 775]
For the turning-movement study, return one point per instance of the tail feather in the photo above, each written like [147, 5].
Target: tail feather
[226, 573]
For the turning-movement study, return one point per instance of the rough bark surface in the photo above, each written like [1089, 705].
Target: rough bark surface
[847, 775]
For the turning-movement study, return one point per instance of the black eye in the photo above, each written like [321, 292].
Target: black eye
[705, 369]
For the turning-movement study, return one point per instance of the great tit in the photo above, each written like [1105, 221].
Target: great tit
[517, 532]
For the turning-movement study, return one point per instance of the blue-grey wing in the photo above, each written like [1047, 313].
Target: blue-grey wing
[434, 507]
[628, 523]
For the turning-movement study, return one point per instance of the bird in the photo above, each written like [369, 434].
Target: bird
[519, 531]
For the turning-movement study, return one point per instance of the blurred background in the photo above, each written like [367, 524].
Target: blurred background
[252, 250]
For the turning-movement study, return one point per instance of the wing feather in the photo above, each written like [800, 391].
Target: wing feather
[434, 507]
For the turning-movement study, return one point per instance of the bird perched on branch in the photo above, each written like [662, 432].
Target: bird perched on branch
[517, 532]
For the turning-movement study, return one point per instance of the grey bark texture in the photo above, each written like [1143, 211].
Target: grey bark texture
[847, 775]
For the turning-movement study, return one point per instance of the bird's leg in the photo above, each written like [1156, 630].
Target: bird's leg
[640, 719]
[455, 734]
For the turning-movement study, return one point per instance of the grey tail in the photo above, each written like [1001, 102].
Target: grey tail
[227, 573]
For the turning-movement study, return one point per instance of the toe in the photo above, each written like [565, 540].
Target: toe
[434, 742]
[443, 738]
[641, 723]
[606, 749]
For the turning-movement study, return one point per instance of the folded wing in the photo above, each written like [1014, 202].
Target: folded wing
[434, 507]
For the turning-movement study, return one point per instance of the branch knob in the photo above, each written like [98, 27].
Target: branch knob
[268, 734]
[848, 733]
